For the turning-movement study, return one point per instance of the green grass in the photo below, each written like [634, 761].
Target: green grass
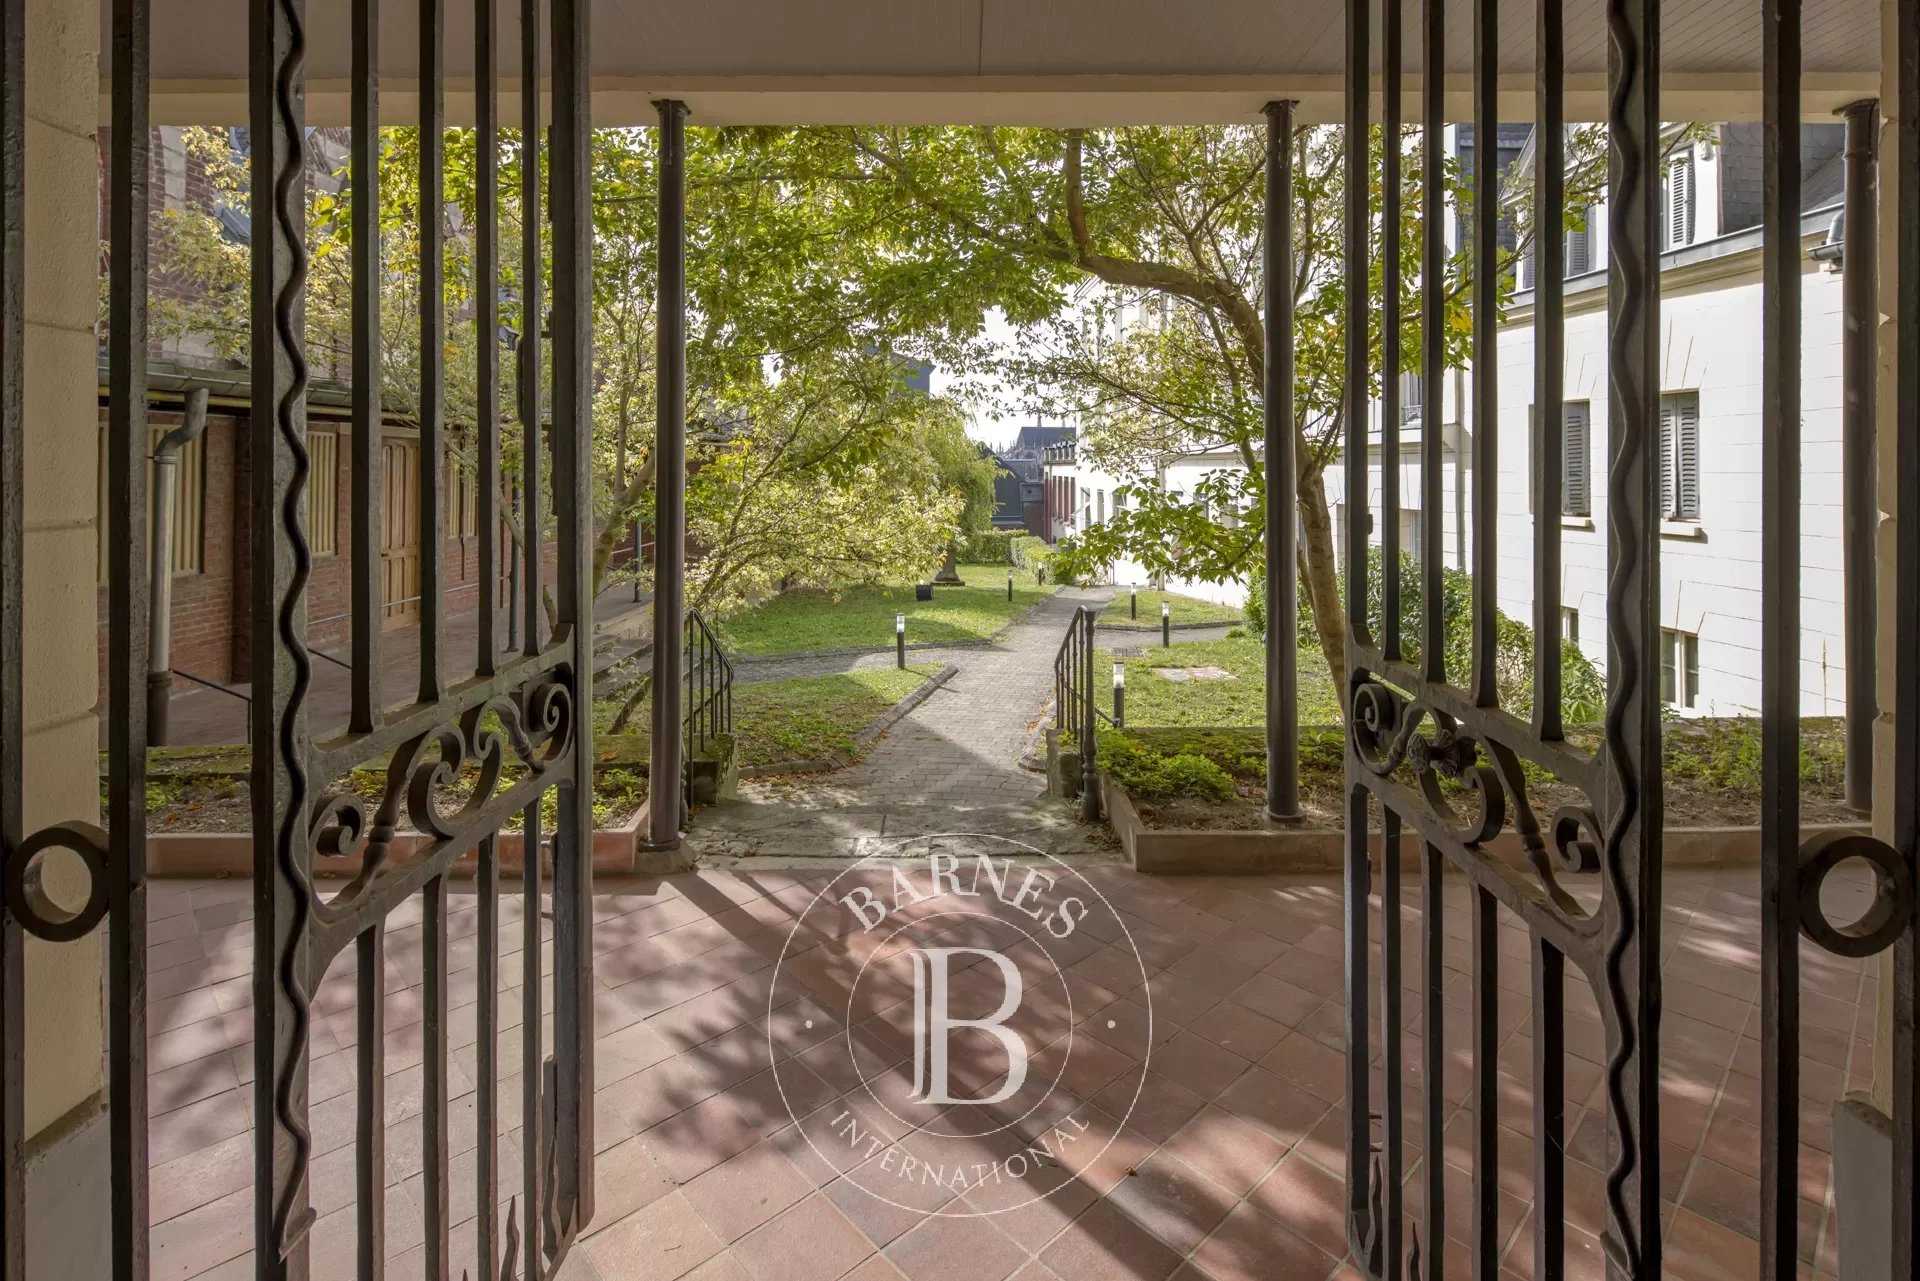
[862, 617]
[1154, 700]
[1182, 609]
[803, 719]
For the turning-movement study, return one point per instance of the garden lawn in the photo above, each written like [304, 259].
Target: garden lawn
[1182, 609]
[807, 718]
[1152, 699]
[807, 619]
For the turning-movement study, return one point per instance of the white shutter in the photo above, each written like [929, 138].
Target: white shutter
[1687, 501]
[1680, 203]
[1575, 496]
[1580, 248]
[1666, 456]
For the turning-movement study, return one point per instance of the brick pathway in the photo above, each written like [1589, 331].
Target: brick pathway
[1230, 1168]
[952, 764]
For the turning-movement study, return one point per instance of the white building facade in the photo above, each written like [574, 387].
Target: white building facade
[1710, 374]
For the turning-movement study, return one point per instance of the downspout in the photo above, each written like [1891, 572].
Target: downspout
[166, 465]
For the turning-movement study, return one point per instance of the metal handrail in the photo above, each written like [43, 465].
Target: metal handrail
[708, 706]
[1074, 708]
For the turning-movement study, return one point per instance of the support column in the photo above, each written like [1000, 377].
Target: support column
[670, 484]
[1283, 716]
[1860, 501]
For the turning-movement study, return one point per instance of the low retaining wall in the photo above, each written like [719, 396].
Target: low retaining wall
[1279, 848]
[212, 854]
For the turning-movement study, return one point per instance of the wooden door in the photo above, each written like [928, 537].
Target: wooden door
[400, 531]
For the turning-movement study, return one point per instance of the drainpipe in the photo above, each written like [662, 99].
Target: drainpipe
[1860, 270]
[166, 465]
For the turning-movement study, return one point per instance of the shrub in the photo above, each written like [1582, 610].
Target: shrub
[1027, 550]
[1152, 776]
[1583, 691]
[987, 547]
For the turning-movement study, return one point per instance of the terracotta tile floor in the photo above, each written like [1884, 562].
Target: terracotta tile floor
[1229, 1166]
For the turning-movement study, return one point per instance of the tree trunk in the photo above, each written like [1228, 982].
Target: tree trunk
[1320, 579]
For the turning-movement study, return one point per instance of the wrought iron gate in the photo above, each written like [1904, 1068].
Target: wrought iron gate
[1446, 766]
[513, 735]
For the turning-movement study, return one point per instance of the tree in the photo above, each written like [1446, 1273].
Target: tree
[801, 433]
[1062, 228]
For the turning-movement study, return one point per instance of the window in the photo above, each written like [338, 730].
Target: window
[189, 503]
[323, 492]
[1579, 252]
[1576, 453]
[1580, 245]
[1412, 387]
[1680, 456]
[1677, 198]
[1570, 624]
[1100, 506]
[1679, 668]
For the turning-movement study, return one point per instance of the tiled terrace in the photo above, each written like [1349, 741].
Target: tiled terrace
[1230, 1167]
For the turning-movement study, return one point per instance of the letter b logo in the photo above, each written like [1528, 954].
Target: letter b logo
[933, 1025]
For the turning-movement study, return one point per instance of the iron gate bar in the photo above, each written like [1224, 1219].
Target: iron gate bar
[1634, 808]
[1546, 962]
[1392, 1101]
[431, 514]
[486, 331]
[370, 1101]
[281, 886]
[1391, 233]
[1906, 704]
[573, 469]
[1549, 359]
[1486, 347]
[1433, 360]
[532, 308]
[369, 460]
[127, 638]
[1780, 641]
[1277, 456]
[13, 160]
[1359, 1142]
[670, 476]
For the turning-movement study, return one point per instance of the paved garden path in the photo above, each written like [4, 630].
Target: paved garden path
[950, 765]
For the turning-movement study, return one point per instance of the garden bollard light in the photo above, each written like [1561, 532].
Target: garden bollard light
[900, 639]
[1133, 602]
[1166, 625]
[1119, 695]
[1009, 585]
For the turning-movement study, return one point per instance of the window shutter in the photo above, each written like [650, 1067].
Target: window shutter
[1666, 457]
[1580, 249]
[1576, 489]
[1679, 203]
[1687, 501]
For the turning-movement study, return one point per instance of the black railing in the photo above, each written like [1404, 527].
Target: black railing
[1074, 710]
[708, 674]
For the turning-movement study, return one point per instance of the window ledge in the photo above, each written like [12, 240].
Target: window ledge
[1577, 522]
[1689, 530]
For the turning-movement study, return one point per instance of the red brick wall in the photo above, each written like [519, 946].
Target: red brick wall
[210, 609]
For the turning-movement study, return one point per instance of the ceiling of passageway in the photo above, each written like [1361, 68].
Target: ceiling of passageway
[1001, 61]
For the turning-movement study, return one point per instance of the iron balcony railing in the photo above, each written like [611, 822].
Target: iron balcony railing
[708, 673]
[1074, 709]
